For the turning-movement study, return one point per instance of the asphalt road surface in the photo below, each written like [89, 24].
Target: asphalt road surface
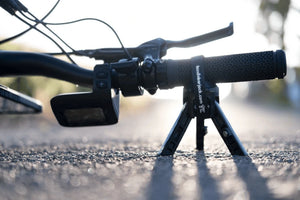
[40, 160]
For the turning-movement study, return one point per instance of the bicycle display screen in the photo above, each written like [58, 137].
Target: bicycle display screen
[85, 109]
[77, 116]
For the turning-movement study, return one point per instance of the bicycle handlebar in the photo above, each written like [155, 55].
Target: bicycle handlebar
[167, 73]
[26, 63]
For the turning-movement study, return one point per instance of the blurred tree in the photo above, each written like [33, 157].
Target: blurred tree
[273, 15]
[271, 23]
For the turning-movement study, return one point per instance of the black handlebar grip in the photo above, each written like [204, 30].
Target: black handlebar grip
[245, 67]
[230, 68]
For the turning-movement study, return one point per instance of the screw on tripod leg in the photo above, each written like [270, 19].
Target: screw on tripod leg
[225, 133]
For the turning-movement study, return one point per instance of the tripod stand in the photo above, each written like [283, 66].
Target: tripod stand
[201, 100]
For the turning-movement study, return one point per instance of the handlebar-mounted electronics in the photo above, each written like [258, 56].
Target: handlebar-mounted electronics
[101, 106]
[144, 69]
[201, 95]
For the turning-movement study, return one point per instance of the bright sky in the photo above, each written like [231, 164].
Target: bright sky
[139, 21]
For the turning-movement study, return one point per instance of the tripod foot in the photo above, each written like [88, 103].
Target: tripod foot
[227, 133]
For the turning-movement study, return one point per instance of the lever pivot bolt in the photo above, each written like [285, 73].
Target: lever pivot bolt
[225, 133]
[147, 65]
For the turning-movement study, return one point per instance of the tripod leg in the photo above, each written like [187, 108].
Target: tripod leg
[227, 133]
[176, 133]
[201, 131]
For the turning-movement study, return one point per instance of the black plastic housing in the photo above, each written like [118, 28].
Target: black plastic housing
[85, 109]
[100, 107]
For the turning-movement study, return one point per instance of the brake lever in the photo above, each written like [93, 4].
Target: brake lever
[202, 39]
[157, 48]
[154, 49]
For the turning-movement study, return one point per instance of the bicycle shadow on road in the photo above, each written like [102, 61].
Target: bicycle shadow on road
[256, 185]
[207, 184]
[161, 185]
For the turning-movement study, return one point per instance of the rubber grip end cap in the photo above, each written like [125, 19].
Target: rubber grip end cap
[280, 64]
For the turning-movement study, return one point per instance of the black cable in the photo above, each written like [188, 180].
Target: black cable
[25, 31]
[12, 6]
[37, 21]
[98, 20]
[41, 22]
[33, 27]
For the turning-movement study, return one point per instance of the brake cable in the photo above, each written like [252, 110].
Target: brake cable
[25, 31]
[97, 20]
[12, 6]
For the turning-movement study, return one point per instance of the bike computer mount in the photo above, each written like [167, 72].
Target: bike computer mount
[99, 107]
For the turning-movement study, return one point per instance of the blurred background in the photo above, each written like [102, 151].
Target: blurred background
[259, 25]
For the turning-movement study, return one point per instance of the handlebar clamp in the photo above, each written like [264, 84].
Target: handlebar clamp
[127, 77]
